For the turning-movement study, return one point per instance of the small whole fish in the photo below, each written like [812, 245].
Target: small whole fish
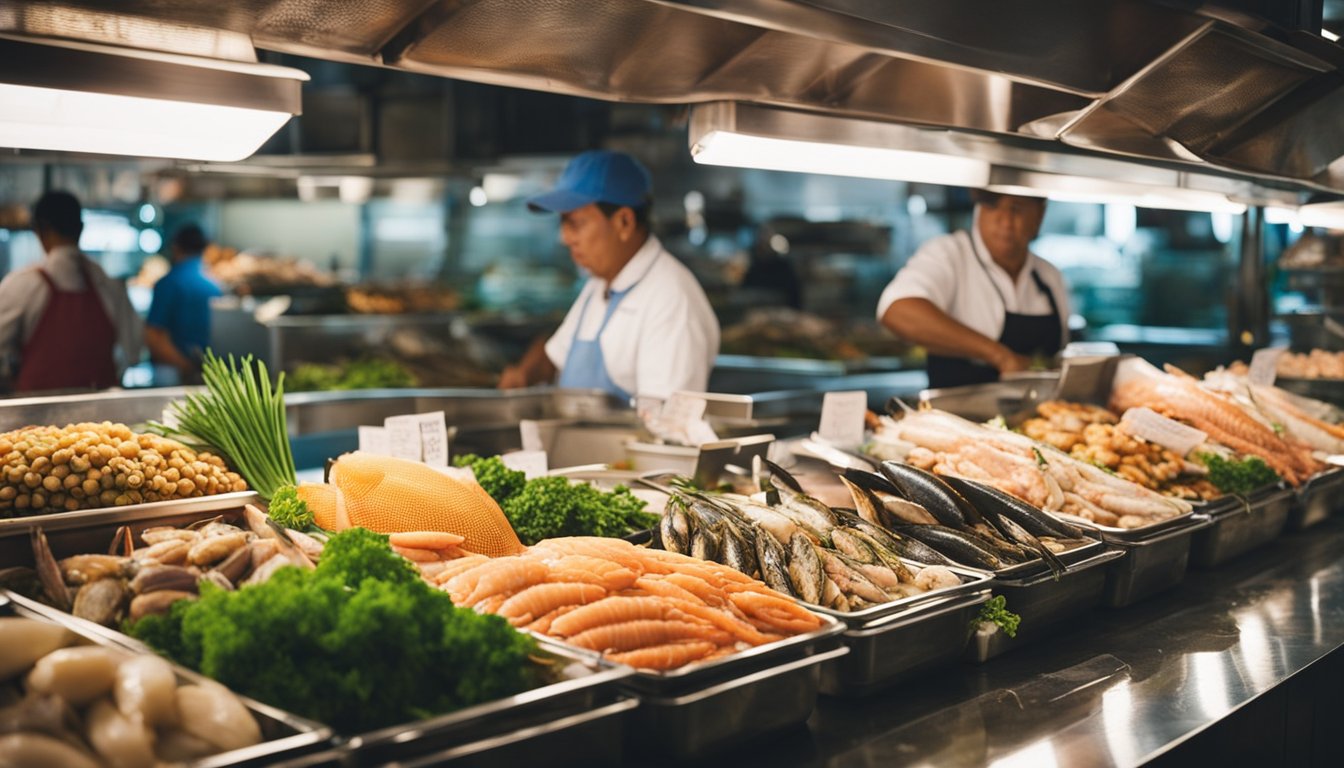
[930, 492]
[675, 528]
[955, 544]
[737, 552]
[806, 571]
[706, 542]
[774, 564]
[989, 499]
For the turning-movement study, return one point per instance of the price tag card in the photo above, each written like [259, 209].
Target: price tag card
[1265, 365]
[434, 438]
[418, 437]
[842, 418]
[530, 463]
[403, 437]
[530, 433]
[375, 440]
[1156, 428]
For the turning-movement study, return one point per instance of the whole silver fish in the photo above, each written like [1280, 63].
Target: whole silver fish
[866, 549]
[774, 564]
[737, 553]
[807, 573]
[706, 542]
[675, 529]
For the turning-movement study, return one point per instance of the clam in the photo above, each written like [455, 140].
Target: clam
[102, 601]
[159, 577]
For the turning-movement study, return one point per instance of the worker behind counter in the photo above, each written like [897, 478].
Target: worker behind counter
[980, 302]
[641, 325]
[64, 324]
[178, 329]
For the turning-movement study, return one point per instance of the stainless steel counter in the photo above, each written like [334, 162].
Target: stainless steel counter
[1222, 668]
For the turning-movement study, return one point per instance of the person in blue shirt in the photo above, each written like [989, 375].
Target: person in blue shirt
[177, 330]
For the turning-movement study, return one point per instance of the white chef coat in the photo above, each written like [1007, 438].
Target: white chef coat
[663, 336]
[24, 296]
[944, 272]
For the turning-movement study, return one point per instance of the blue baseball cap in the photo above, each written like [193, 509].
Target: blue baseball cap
[596, 176]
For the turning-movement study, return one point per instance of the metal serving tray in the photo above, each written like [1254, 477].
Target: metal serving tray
[901, 646]
[283, 734]
[972, 582]
[515, 725]
[1317, 499]
[91, 531]
[690, 725]
[1239, 525]
[1042, 601]
[1070, 557]
[1151, 564]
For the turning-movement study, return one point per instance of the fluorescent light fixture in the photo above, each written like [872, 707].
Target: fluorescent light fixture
[1328, 35]
[748, 136]
[1078, 189]
[79, 97]
[1324, 215]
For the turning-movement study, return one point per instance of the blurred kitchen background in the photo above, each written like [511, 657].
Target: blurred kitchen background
[389, 221]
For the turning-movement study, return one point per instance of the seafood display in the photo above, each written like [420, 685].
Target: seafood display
[1316, 364]
[388, 495]
[1095, 435]
[799, 547]
[1037, 473]
[643, 607]
[46, 469]
[83, 706]
[1250, 420]
[165, 565]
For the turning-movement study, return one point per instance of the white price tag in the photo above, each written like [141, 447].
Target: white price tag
[374, 440]
[842, 418]
[1156, 428]
[403, 437]
[530, 463]
[419, 437]
[530, 433]
[1265, 365]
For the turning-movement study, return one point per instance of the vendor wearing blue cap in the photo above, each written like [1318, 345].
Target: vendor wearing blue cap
[641, 326]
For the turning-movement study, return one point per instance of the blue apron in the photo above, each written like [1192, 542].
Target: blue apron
[585, 367]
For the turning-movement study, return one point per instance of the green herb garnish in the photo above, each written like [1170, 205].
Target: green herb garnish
[995, 611]
[1238, 476]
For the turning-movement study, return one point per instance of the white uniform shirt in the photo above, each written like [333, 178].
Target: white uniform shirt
[663, 337]
[24, 296]
[944, 271]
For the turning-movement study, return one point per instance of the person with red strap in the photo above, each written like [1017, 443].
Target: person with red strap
[64, 324]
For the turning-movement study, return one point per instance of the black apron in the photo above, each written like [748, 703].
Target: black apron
[1027, 335]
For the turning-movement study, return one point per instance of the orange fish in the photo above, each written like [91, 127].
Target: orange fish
[390, 495]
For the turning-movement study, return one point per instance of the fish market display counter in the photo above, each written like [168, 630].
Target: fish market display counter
[1240, 665]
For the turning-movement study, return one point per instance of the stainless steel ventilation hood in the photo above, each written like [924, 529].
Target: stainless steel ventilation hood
[1186, 91]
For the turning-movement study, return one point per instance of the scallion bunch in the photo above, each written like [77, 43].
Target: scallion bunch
[240, 417]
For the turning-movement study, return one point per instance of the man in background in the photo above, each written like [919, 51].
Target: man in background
[178, 330]
[64, 324]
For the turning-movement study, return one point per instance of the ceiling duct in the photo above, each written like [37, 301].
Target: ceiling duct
[1174, 86]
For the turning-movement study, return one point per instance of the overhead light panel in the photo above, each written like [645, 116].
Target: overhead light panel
[78, 97]
[749, 136]
[1080, 189]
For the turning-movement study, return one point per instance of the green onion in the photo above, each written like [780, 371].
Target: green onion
[240, 417]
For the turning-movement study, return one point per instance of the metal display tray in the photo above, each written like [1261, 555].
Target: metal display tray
[901, 646]
[1042, 601]
[284, 735]
[91, 531]
[1240, 525]
[972, 582]
[1318, 498]
[534, 724]
[1071, 557]
[690, 725]
[1152, 564]
[155, 512]
[687, 713]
